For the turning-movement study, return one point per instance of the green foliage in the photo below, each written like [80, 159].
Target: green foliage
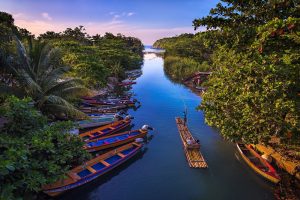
[253, 90]
[36, 153]
[250, 98]
[252, 48]
[187, 53]
[95, 59]
[238, 20]
[40, 74]
[23, 118]
[179, 68]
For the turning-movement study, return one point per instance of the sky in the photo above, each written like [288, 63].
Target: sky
[147, 20]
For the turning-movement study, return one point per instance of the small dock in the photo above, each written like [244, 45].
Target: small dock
[190, 145]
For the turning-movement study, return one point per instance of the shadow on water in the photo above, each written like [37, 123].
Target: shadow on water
[83, 191]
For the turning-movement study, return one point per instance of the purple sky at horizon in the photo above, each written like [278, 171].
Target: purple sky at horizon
[147, 20]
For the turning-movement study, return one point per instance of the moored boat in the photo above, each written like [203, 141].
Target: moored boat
[100, 115]
[102, 109]
[92, 169]
[116, 140]
[127, 83]
[106, 130]
[257, 163]
[97, 121]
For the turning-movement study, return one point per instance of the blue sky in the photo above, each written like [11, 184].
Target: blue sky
[145, 19]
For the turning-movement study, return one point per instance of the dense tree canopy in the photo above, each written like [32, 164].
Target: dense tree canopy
[33, 153]
[252, 48]
[93, 57]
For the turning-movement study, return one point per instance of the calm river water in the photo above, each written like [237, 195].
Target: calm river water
[161, 170]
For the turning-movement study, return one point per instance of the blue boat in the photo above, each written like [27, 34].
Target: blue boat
[93, 169]
[114, 140]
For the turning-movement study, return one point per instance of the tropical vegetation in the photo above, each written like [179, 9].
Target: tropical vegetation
[41, 80]
[33, 153]
[252, 49]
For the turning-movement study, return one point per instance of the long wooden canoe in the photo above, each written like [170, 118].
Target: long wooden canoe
[105, 130]
[101, 109]
[96, 122]
[257, 163]
[92, 169]
[190, 146]
[110, 102]
[114, 140]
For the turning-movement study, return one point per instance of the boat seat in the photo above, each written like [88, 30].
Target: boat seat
[84, 173]
[98, 166]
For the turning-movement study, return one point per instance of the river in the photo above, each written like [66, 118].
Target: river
[160, 171]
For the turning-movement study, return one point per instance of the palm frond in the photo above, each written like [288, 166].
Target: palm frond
[51, 78]
[25, 61]
[72, 92]
[28, 82]
[58, 104]
[60, 86]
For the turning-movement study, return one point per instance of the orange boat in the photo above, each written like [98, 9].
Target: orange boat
[106, 130]
[257, 163]
[92, 169]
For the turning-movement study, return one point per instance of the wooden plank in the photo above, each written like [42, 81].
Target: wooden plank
[91, 169]
[193, 155]
[121, 155]
[104, 163]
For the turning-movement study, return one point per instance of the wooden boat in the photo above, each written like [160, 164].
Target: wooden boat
[111, 102]
[257, 163]
[93, 169]
[96, 122]
[103, 109]
[105, 130]
[190, 145]
[127, 83]
[114, 140]
[101, 115]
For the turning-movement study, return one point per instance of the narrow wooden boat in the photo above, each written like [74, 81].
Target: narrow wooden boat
[93, 169]
[105, 130]
[96, 122]
[101, 115]
[114, 140]
[257, 163]
[111, 102]
[105, 109]
[127, 83]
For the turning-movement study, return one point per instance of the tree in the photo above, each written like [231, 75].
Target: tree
[238, 20]
[252, 91]
[33, 153]
[40, 73]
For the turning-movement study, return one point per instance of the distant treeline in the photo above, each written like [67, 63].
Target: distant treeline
[186, 54]
[93, 58]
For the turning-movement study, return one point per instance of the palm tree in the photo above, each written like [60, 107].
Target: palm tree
[117, 69]
[40, 74]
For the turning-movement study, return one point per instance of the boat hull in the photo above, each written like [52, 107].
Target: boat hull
[61, 186]
[271, 175]
[105, 130]
[114, 140]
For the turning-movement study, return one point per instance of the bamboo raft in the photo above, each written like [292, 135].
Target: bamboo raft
[192, 151]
